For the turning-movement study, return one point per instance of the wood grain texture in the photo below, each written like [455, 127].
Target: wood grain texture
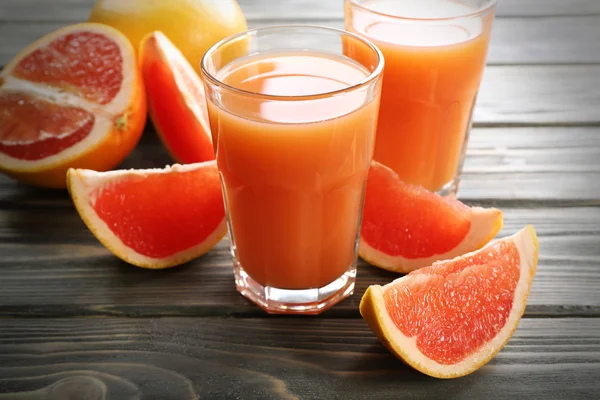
[50, 264]
[524, 95]
[276, 358]
[541, 40]
[78, 10]
[535, 153]
[504, 166]
[539, 95]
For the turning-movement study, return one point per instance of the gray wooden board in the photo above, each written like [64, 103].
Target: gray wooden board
[514, 40]
[78, 10]
[276, 358]
[535, 153]
[50, 264]
[504, 166]
[532, 95]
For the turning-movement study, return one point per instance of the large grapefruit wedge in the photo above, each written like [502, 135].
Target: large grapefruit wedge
[74, 98]
[406, 227]
[152, 218]
[176, 100]
[451, 318]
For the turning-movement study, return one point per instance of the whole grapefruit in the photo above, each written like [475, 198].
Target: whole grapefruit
[192, 25]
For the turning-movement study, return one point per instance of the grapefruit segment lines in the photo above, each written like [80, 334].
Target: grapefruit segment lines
[62, 102]
[152, 218]
[450, 319]
[406, 227]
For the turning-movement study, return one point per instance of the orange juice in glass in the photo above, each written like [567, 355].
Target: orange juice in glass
[293, 123]
[435, 54]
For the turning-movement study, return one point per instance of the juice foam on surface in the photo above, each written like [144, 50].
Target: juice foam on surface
[293, 74]
[416, 33]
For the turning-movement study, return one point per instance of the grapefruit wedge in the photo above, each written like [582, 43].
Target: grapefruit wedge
[74, 98]
[406, 227]
[152, 218]
[176, 100]
[451, 318]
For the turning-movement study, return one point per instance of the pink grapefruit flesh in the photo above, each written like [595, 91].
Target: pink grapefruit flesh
[34, 128]
[176, 100]
[406, 227]
[154, 218]
[72, 99]
[84, 62]
[449, 319]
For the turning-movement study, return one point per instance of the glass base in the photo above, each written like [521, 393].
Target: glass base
[449, 189]
[301, 301]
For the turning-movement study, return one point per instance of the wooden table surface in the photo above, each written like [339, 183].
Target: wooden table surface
[76, 321]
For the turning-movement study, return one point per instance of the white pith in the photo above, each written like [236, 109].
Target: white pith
[482, 220]
[171, 54]
[406, 346]
[105, 115]
[83, 182]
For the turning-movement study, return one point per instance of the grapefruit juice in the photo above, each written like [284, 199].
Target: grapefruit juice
[294, 133]
[435, 53]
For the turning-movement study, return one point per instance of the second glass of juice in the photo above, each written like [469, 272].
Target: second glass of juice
[435, 54]
[293, 122]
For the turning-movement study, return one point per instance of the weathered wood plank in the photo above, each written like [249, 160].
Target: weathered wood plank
[309, 9]
[50, 264]
[276, 358]
[78, 10]
[541, 40]
[503, 165]
[539, 95]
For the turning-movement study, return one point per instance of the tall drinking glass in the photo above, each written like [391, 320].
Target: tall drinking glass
[435, 53]
[293, 121]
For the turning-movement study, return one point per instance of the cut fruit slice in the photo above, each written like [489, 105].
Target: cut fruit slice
[152, 218]
[74, 98]
[176, 100]
[406, 227]
[451, 318]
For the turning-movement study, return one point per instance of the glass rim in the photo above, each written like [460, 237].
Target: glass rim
[479, 11]
[363, 82]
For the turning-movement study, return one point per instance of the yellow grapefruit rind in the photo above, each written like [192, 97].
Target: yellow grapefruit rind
[373, 310]
[109, 142]
[192, 26]
[81, 182]
[485, 225]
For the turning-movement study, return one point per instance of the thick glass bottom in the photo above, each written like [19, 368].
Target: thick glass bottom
[285, 301]
[450, 188]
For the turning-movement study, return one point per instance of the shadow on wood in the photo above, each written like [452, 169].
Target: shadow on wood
[275, 358]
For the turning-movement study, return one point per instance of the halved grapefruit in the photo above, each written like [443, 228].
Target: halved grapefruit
[176, 100]
[451, 318]
[74, 98]
[152, 218]
[406, 227]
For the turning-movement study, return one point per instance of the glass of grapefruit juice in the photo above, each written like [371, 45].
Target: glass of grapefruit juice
[435, 53]
[293, 122]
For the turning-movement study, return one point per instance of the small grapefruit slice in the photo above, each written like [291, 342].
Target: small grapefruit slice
[152, 218]
[451, 318]
[74, 98]
[406, 227]
[176, 100]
